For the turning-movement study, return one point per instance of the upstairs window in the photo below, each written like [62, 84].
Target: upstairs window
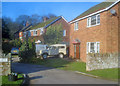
[76, 26]
[41, 31]
[93, 20]
[35, 33]
[64, 32]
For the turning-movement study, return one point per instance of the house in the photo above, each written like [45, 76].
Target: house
[21, 33]
[96, 31]
[37, 31]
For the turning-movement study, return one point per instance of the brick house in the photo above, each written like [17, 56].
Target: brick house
[96, 31]
[37, 31]
[21, 33]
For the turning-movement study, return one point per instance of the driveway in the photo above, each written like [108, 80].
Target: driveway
[44, 75]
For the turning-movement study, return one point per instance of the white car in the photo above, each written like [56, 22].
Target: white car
[52, 50]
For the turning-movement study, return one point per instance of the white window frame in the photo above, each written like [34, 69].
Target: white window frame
[24, 34]
[41, 31]
[64, 32]
[76, 26]
[96, 47]
[89, 21]
[34, 32]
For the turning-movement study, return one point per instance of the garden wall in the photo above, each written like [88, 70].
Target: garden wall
[101, 61]
[5, 65]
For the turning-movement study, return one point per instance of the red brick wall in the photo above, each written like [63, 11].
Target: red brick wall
[31, 33]
[106, 33]
[20, 34]
[38, 32]
[119, 27]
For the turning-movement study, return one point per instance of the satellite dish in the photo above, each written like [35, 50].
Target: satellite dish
[113, 12]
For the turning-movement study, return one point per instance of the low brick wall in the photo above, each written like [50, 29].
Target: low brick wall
[101, 61]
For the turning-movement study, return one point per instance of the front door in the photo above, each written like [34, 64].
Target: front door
[77, 51]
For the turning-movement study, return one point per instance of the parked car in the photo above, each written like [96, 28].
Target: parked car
[53, 50]
[14, 50]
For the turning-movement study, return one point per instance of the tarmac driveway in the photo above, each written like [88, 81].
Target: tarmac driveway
[43, 75]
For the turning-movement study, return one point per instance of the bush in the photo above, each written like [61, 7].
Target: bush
[17, 43]
[6, 47]
[27, 51]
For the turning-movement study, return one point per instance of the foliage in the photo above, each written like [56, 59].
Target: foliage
[42, 24]
[53, 34]
[17, 42]
[6, 47]
[5, 30]
[27, 51]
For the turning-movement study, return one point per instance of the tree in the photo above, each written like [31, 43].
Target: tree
[53, 34]
[5, 30]
[9, 27]
[51, 15]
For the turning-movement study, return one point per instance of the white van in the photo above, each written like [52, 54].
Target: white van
[53, 50]
[40, 47]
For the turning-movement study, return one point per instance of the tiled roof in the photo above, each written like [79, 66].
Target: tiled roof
[95, 8]
[47, 23]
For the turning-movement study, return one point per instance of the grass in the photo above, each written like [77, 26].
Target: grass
[14, 55]
[56, 62]
[59, 63]
[5, 81]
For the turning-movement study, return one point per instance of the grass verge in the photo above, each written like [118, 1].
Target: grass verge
[5, 81]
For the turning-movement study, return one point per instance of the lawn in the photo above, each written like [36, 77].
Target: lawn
[5, 81]
[59, 63]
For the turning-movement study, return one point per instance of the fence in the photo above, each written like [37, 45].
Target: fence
[101, 61]
[5, 64]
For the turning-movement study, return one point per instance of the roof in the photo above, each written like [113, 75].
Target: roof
[95, 8]
[47, 23]
[24, 28]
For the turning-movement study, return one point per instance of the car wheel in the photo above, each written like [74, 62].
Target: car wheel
[44, 56]
[61, 55]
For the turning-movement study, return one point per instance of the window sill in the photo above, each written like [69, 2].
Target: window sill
[92, 25]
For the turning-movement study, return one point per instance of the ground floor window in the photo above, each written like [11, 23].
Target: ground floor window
[93, 47]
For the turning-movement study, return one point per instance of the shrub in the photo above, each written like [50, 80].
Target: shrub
[27, 51]
[6, 47]
[17, 43]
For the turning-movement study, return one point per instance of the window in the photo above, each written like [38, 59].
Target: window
[93, 20]
[64, 32]
[93, 47]
[76, 26]
[35, 33]
[98, 19]
[29, 33]
[61, 46]
[41, 31]
[24, 34]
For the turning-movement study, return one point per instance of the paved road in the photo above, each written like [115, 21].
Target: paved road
[44, 75]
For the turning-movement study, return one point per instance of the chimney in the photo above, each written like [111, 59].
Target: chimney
[45, 19]
[27, 23]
